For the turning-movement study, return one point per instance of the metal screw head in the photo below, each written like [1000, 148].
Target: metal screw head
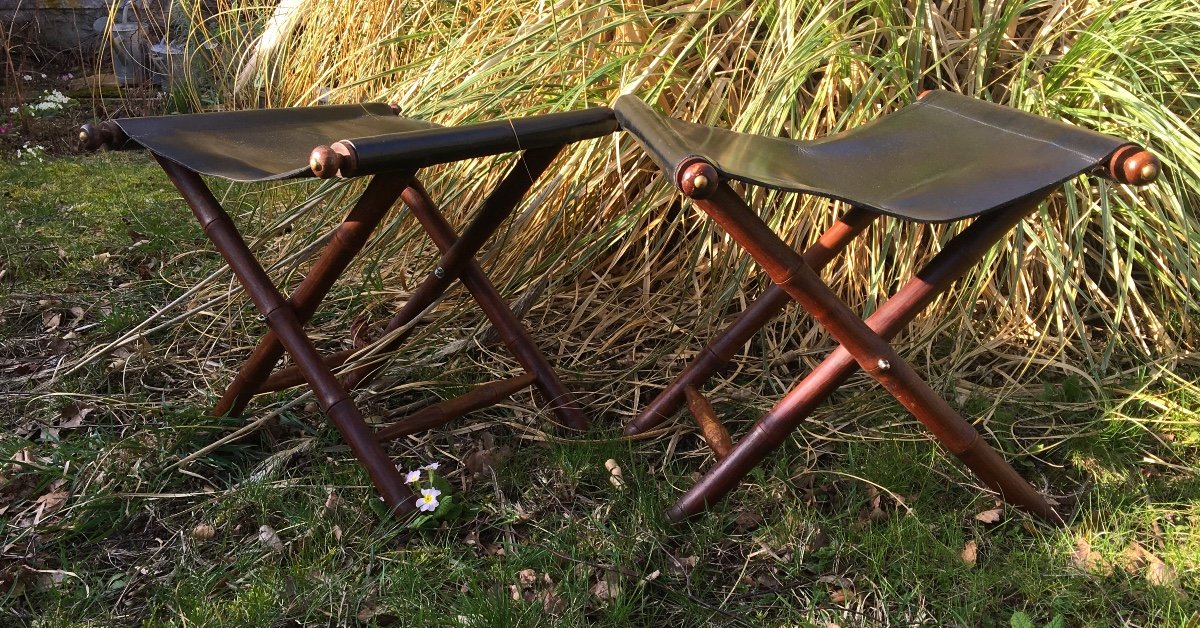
[884, 365]
[261, 318]
[439, 272]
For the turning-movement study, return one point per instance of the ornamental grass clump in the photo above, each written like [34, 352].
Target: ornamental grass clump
[621, 280]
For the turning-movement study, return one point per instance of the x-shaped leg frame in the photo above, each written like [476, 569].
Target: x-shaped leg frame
[286, 317]
[863, 344]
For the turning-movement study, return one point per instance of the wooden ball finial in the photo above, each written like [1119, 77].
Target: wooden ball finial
[324, 162]
[92, 137]
[1133, 165]
[698, 179]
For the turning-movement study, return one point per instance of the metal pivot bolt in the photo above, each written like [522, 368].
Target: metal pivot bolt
[883, 365]
[439, 272]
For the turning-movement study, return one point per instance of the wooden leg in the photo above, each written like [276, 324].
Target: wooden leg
[869, 350]
[347, 241]
[512, 332]
[763, 309]
[283, 321]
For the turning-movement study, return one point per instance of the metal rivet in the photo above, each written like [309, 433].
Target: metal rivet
[439, 272]
[1149, 172]
[699, 182]
[261, 318]
[884, 365]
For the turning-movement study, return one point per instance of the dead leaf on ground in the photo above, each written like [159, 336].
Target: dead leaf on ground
[1157, 572]
[969, 553]
[203, 532]
[1088, 559]
[73, 415]
[747, 520]
[990, 516]
[332, 501]
[487, 459]
[683, 566]
[841, 596]
[608, 587]
[51, 320]
[268, 537]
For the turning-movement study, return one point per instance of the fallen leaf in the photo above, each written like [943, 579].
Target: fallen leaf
[51, 320]
[1157, 572]
[332, 501]
[552, 603]
[268, 537]
[747, 520]
[203, 532]
[527, 577]
[969, 553]
[73, 415]
[990, 516]
[1089, 560]
[52, 501]
[840, 596]
[608, 588]
[684, 566]
[1161, 574]
[488, 459]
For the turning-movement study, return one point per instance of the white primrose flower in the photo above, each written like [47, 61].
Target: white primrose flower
[428, 501]
[433, 466]
[412, 477]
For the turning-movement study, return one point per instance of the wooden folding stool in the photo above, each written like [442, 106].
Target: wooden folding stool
[944, 158]
[278, 144]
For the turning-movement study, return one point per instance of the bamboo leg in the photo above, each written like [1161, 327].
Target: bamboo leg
[283, 320]
[439, 414]
[763, 309]
[496, 208]
[456, 257]
[872, 353]
[512, 333]
[347, 241]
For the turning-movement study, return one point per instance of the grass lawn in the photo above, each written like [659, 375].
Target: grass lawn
[100, 526]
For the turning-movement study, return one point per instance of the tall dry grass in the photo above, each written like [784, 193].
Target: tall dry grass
[622, 279]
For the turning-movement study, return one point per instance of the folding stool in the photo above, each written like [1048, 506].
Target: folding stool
[278, 144]
[943, 158]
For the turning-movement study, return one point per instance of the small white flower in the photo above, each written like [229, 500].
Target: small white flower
[28, 77]
[43, 76]
[433, 466]
[12, 109]
[428, 501]
[412, 476]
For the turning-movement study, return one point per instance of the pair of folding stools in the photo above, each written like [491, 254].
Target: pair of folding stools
[943, 158]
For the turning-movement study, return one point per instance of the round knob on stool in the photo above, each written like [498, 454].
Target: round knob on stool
[92, 137]
[324, 162]
[698, 179]
[1133, 165]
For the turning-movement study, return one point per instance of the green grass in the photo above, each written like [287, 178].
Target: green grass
[818, 535]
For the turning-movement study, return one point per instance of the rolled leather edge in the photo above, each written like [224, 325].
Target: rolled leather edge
[667, 150]
[417, 149]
